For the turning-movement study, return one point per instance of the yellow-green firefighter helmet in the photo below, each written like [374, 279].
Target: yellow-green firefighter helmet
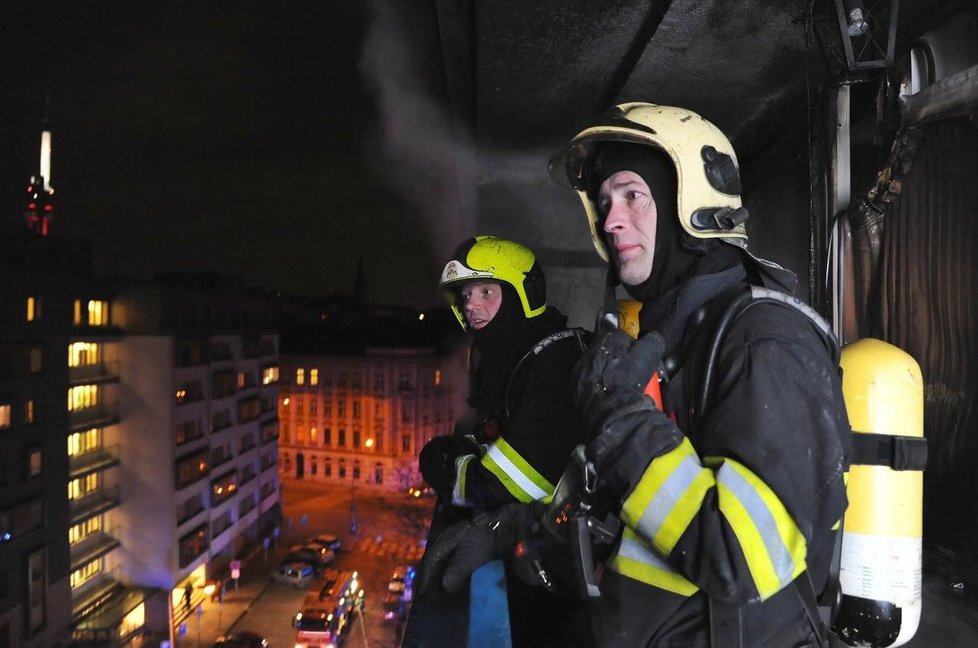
[708, 180]
[487, 258]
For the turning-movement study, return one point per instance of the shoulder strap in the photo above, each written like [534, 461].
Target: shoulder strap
[582, 337]
[726, 623]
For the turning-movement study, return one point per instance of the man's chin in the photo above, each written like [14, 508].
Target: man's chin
[631, 276]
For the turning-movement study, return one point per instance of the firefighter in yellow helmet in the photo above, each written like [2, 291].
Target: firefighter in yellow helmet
[522, 427]
[729, 488]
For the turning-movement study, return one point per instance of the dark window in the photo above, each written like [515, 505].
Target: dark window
[189, 431]
[223, 383]
[193, 545]
[249, 409]
[191, 468]
[37, 590]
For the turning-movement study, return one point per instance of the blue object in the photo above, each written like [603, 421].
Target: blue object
[488, 608]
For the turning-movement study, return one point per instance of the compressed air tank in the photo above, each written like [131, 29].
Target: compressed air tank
[880, 569]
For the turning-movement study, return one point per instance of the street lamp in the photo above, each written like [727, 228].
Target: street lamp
[353, 506]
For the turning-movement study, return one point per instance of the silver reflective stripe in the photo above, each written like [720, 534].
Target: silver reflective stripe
[759, 513]
[458, 490]
[665, 498]
[515, 473]
[638, 552]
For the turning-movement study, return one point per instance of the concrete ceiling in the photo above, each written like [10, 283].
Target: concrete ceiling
[520, 78]
[526, 73]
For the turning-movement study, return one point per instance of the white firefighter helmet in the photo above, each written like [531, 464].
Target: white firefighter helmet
[708, 180]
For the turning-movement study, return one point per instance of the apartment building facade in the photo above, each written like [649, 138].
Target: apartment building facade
[138, 444]
[358, 415]
[35, 311]
[198, 437]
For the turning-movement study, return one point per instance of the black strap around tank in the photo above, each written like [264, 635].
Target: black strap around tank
[896, 452]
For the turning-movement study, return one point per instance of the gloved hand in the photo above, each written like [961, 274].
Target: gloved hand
[437, 460]
[465, 546]
[625, 429]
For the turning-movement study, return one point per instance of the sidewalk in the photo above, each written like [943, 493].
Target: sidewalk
[207, 620]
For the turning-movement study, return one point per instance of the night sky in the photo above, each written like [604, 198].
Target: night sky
[277, 141]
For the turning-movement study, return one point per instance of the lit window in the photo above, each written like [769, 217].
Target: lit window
[312, 435]
[81, 354]
[82, 530]
[93, 313]
[86, 573]
[4, 415]
[314, 376]
[81, 442]
[82, 396]
[29, 411]
[33, 309]
[300, 376]
[437, 377]
[269, 375]
[78, 488]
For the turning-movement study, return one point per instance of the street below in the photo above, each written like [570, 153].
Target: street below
[390, 529]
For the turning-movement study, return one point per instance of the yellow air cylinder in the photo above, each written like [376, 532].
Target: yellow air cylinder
[880, 571]
[628, 310]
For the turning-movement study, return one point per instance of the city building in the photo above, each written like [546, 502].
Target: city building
[197, 435]
[35, 312]
[359, 399]
[138, 444]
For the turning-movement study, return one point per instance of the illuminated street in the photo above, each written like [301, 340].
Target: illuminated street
[395, 520]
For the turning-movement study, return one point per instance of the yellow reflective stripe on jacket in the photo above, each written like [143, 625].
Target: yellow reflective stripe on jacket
[670, 494]
[635, 560]
[772, 544]
[458, 490]
[520, 478]
[668, 497]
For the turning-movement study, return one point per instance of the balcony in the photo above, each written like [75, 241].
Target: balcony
[95, 416]
[92, 595]
[93, 374]
[91, 548]
[93, 461]
[100, 501]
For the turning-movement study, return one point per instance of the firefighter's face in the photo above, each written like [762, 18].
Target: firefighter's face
[481, 302]
[628, 208]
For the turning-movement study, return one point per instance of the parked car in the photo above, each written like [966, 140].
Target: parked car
[402, 578]
[313, 553]
[242, 639]
[330, 540]
[296, 574]
[421, 490]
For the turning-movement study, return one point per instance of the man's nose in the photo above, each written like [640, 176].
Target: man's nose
[615, 219]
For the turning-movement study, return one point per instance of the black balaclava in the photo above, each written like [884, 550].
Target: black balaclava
[499, 346]
[678, 256]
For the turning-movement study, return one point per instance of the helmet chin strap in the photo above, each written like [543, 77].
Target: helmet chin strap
[608, 316]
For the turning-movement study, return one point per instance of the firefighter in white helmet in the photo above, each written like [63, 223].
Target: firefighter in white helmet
[729, 489]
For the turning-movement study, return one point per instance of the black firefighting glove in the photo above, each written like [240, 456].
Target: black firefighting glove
[465, 546]
[437, 460]
[624, 427]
